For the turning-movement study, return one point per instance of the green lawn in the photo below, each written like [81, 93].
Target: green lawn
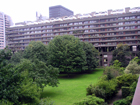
[72, 89]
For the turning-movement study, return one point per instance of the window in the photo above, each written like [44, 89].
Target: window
[138, 21]
[75, 27]
[75, 23]
[80, 27]
[127, 28]
[91, 26]
[138, 17]
[70, 23]
[92, 22]
[86, 27]
[105, 55]
[80, 23]
[138, 27]
[86, 30]
[65, 24]
[126, 18]
[121, 23]
[132, 22]
[126, 22]
[86, 22]
[132, 27]
[91, 30]
[120, 28]
[121, 18]
[132, 17]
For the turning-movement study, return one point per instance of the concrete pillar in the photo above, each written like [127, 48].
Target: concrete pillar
[109, 12]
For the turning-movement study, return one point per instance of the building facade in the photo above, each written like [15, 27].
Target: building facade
[5, 22]
[59, 11]
[104, 30]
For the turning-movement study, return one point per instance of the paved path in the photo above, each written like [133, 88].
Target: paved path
[117, 97]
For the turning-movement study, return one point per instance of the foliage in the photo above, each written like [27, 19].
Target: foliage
[16, 87]
[103, 89]
[91, 55]
[126, 79]
[66, 53]
[39, 72]
[126, 101]
[125, 91]
[114, 70]
[5, 54]
[133, 88]
[36, 50]
[133, 67]
[16, 57]
[121, 53]
[90, 100]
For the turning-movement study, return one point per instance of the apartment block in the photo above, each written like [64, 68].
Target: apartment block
[59, 11]
[104, 30]
[5, 22]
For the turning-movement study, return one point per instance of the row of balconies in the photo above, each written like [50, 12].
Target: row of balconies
[132, 28]
[39, 28]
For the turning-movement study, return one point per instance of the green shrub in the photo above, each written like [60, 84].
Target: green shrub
[125, 101]
[125, 91]
[103, 89]
[133, 88]
[91, 100]
[46, 101]
[126, 79]
[132, 67]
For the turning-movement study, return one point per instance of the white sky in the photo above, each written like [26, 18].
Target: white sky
[24, 10]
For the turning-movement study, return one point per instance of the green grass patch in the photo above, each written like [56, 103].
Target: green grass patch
[71, 89]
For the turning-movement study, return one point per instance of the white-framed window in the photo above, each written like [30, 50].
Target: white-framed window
[121, 23]
[121, 18]
[126, 18]
[85, 26]
[138, 27]
[75, 27]
[91, 30]
[92, 21]
[61, 25]
[138, 22]
[86, 30]
[80, 27]
[138, 17]
[65, 24]
[120, 28]
[132, 22]
[70, 23]
[127, 23]
[132, 27]
[75, 23]
[132, 17]
[105, 55]
[71, 28]
[86, 22]
[127, 28]
[80, 23]
[91, 26]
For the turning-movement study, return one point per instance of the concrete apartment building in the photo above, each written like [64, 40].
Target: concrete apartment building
[5, 21]
[59, 11]
[104, 30]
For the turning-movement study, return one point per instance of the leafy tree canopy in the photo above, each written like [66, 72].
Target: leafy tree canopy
[36, 50]
[91, 55]
[121, 53]
[66, 53]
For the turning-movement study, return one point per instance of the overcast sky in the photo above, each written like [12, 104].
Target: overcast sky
[24, 10]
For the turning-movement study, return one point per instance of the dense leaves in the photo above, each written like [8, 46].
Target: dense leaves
[122, 53]
[67, 54]
[91, 55]
[36, 50]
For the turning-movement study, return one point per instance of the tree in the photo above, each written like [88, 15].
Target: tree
[133, 67]
[121, 53]
[36, 50]
[91, 55]
[66, 53]
[39, 72]
[16, 87]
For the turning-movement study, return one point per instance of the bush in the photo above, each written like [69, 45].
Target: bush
[91, 100]
[133, 68]
[103, 89]
[126, 101]
[125, 91]
[126, 79]
[133, 88]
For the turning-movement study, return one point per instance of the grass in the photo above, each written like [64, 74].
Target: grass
[72, 89]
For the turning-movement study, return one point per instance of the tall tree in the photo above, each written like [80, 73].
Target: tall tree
[122, 53]
[36, 50]
[40, 73]
[91, 55]
[66, 53]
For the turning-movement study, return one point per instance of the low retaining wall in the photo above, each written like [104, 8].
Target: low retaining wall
[136, 98]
